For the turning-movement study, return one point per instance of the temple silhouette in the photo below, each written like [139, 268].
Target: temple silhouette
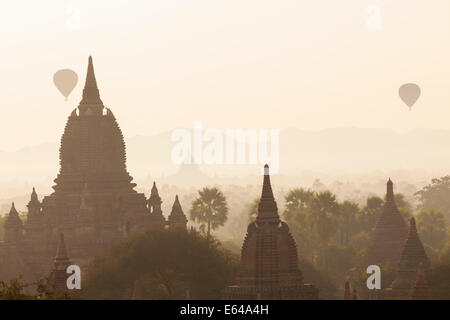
[94, 206]
[94, 203]
[389, 235]
[269, 261]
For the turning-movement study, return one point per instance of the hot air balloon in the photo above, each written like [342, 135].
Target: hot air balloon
[409, 93]
[65, 80]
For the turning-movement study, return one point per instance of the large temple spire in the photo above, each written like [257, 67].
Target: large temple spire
[267, 208]
[91, 95]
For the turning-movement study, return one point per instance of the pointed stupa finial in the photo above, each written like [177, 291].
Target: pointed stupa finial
[412, 229]
[267, 187]
[154, 189]
[13, 210]
[177, 218]
[390, 190]
[34, 196]
[177, 205]
[91, 94]
[154, 199]
[267, 208]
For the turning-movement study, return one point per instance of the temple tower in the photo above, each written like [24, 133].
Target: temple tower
[35, 220]
[412, 256]
[94, 203]
[177, 219]
[389, 235]
[156, 217]
[13, 227]
[58, 276]
[269, 262]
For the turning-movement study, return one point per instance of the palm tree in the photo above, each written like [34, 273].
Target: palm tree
[347, 221]
[210, 208]
[325, 210]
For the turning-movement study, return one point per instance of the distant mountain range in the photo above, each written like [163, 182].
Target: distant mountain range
[336, 149]
[360, 156]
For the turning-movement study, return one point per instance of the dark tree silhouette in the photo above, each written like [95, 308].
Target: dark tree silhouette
[209, 209]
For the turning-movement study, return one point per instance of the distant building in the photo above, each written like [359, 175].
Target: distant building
[269, 262]
[94, 203]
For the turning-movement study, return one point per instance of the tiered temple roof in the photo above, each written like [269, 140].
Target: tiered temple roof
[94, 202]
[177, 218]
[13, 227]
[154, 202]
[412, 256]
[269, 262]
[389, 235]
[58, 276]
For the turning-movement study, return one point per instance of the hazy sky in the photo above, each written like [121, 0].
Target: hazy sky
[230, 63]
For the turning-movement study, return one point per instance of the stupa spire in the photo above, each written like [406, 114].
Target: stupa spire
[58, 276]
[13, 212]
[154, 207]
[412, 229]
[412, 256]
[267, 208]
[389, 235]
[177, 218]
[154, 189]
[389, 191]
[34, 196]
[91, 95]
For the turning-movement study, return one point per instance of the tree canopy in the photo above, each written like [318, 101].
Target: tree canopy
[164, 265]
[209, 209]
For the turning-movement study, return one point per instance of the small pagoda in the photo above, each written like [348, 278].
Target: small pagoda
[177, 219]
[389, 235]
[269, 262]
[412, 256]
[58, 276]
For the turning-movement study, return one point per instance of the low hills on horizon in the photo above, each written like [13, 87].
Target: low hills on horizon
[358, 155]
